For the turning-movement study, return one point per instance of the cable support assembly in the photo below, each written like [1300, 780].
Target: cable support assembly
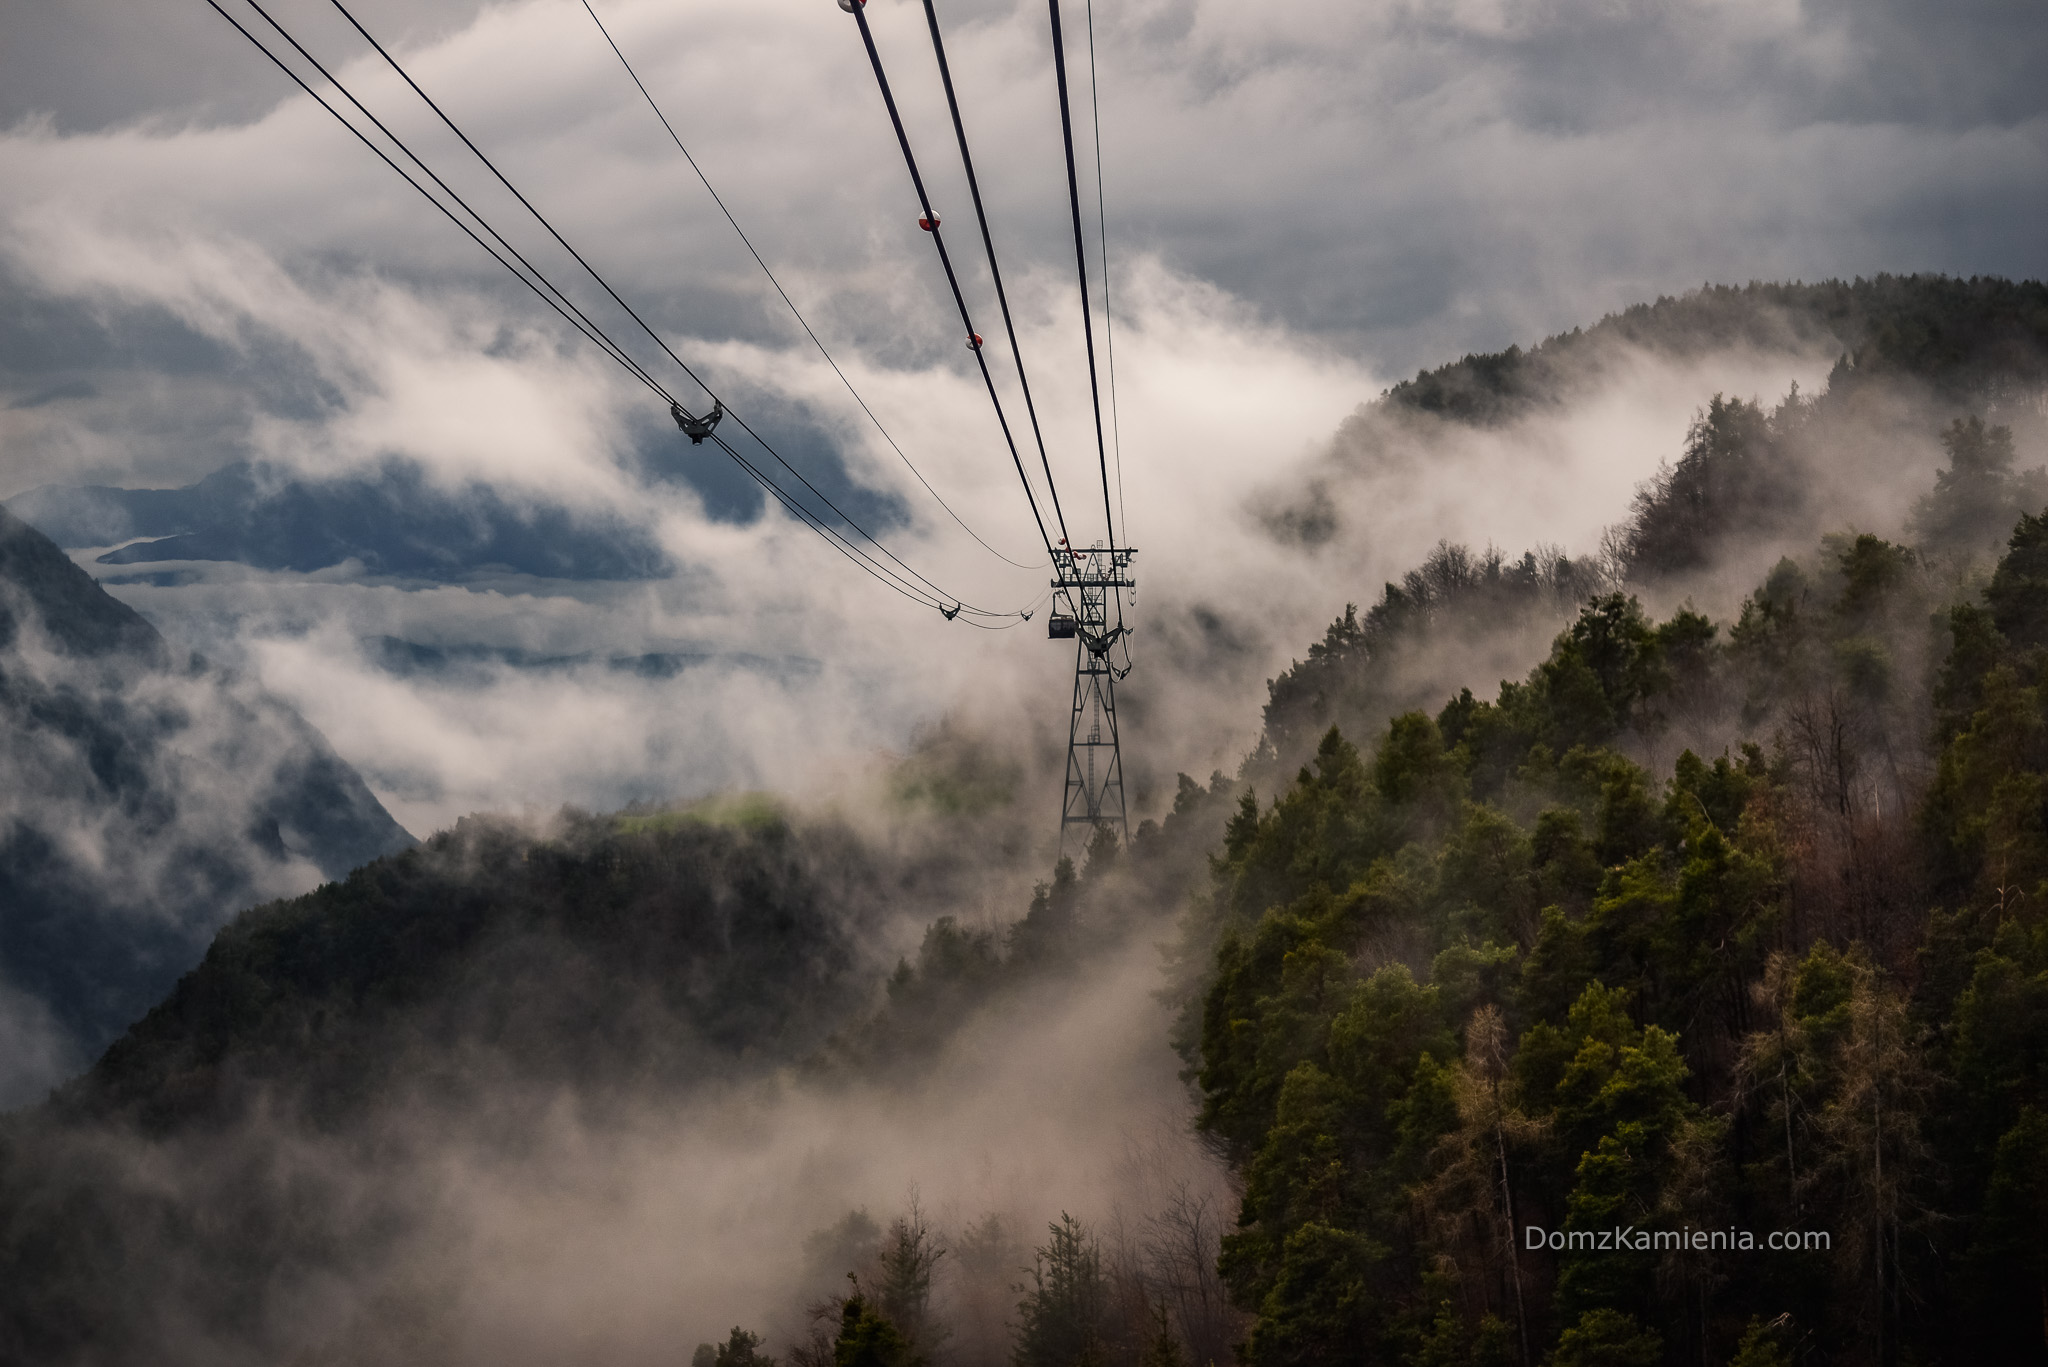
[930, 223]
[804, 323]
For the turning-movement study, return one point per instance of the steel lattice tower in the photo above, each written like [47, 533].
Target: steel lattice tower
[1095, 771]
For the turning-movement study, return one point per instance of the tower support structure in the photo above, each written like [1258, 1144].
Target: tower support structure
[1087, 585]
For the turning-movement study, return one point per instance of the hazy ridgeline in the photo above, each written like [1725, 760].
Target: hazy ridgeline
[651, 1038]
[146, 795]
[1726, 913]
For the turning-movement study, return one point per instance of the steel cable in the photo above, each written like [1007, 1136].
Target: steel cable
[586, 324]
[644, 326]
[988, 243]
[1102, 225]
[952, 279]
[596, 335]
[929, 595]
[1059, 60]
[1116, 432]
[794, 310]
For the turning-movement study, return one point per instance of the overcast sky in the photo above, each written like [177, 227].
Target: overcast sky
[1400, 182]
[1306, 198]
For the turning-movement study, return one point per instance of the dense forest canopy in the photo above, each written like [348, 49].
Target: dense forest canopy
[1495, 974]
[1730, 927]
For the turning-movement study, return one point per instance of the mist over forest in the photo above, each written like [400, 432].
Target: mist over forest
[1679, 872]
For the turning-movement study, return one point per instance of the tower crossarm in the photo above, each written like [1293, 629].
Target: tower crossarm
[1096, 569]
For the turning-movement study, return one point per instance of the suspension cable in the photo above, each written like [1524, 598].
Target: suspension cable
[1102, 224]
[867, 38]
[644, 326]
[1108, 314]
[798, 313]
[834, 538]
[548, 293]
[584, 322]
[1059, 58]
[988, 243]
[590, 331]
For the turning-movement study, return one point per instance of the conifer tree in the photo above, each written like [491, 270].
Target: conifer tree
[1062, 1319]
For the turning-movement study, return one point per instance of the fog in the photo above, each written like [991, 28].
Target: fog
[1230, 440]
[226, 275]
[1307, 203]
[471, 1209]
[632, 1241]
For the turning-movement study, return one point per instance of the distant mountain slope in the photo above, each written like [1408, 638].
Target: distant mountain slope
[394, 521]
[144, 798]
[625, 949]
[480, 987]
[1962, 338]
[483, 972]
[1931, 372]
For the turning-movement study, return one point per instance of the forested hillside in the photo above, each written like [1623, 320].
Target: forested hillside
[145, 797]
[1933, 374]
[472, 986]
[1517, 1023]
[1483, 971]
[1959, 338]
[1703, 934]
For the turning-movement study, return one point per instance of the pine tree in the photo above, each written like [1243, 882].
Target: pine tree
[910, 1253]
[867, 1338]
[1977, 498]
[1062, 1318]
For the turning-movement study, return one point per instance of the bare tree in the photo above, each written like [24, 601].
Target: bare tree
[1467, 1208]
[1872, 1145]
[1181, 1248]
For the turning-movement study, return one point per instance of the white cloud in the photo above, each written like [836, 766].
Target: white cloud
[1306, 198]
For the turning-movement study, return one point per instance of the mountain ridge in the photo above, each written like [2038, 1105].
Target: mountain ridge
[1949, 333]
[1636, 940]
[392, 520]
[149, 797]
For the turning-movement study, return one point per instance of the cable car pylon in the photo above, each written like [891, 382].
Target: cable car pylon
[1094, 795]
[1086, 583]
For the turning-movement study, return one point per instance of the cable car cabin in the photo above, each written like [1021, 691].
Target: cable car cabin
[1058, 628]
